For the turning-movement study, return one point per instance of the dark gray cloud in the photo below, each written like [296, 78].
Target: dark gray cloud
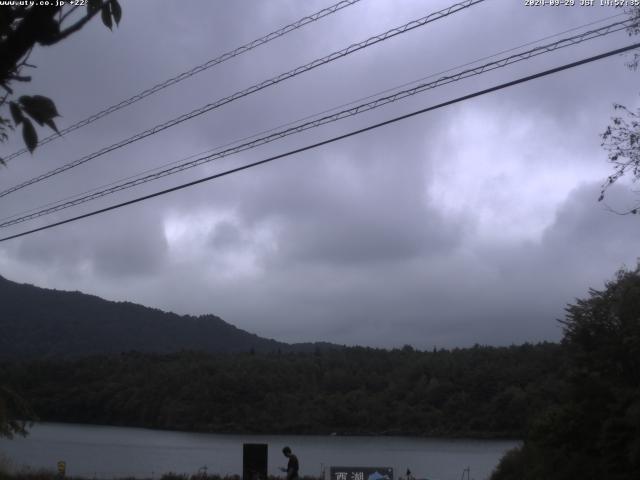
[117, 247]
[586, 232]
[476, 223]
[348, 203]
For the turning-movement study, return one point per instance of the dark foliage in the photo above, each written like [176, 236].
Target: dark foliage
[594, 432]
[24, 26]
[14, 413]
[480, 391]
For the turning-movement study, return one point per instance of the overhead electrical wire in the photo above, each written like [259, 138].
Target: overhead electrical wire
[78, 199]
[378, 102]
[333, 139]
[194, 71]
[293, 122]
[314, 115]
[255, 88]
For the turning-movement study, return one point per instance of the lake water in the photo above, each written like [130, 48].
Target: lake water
[109, 452]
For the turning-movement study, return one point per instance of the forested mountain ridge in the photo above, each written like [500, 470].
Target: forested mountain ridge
[79, 358]
[38, 323]
[473, 392]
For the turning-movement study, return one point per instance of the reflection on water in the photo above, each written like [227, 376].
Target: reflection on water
[107, 452]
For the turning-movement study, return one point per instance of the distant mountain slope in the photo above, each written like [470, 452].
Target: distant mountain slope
[37, 322]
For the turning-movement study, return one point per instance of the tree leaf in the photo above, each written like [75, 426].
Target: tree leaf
[116, 11]
[16, 113]
[43, 104]
[29, 135]
[106, 16]
[51, 124]
[41, 109]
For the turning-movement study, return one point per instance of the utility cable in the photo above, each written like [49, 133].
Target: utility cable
[308, 117]
[333, 139]
[255, 88]
[194, 71]
[500, 63]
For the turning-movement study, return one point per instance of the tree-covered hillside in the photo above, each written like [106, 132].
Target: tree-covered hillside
[481, 391]
[38, 322]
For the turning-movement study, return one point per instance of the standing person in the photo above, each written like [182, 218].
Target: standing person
[293, 466]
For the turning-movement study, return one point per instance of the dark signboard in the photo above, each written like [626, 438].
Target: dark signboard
[254, 461]
[361, 473]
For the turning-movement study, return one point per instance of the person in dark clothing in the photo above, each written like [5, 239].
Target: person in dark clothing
[293, 466]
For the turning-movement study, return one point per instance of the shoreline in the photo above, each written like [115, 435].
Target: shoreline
[487, 436]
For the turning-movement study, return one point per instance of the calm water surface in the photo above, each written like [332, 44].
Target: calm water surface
[108, 452]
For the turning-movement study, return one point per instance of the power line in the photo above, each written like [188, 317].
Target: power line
[194, 71]
[114, 187]
[500, 63]
[333, 139]
[255, 88]
[293, 122]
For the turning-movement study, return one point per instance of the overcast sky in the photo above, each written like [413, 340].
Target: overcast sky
[474, 223]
